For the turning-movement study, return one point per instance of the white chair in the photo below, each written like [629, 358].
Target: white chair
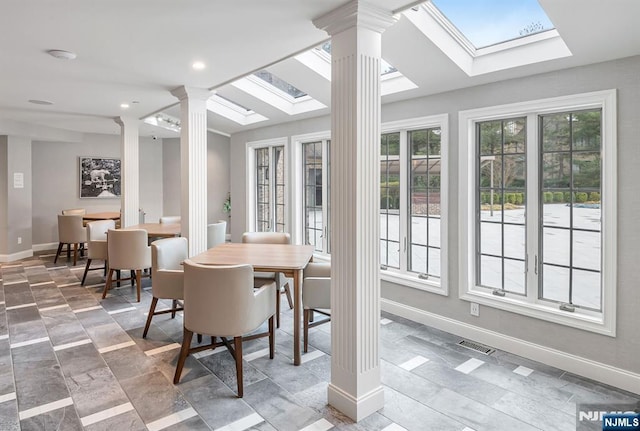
[316, 296]
[128, 249]
[261, 277]
[216, 233]
[220, 301]
[167, 275]
[70, 231]
[97, 244]
[170, 219]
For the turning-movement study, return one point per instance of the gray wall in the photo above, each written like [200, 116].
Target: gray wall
[622, 351]
[15, 221]
[217, 176]
[56, 180]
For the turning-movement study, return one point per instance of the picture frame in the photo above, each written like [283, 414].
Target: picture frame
[100, 177]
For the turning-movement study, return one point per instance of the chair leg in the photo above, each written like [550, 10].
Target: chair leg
[287, 291]
[107, 284]
[272, 338]
[68, 252]
[174, 305]
[139, 282]
[75, 253]
[199, 337]
[86, 269]
[278, 307]
[184, 352]
[133, 276]
[237, 341]
[305, 325]
[58, 252]
[152, 310]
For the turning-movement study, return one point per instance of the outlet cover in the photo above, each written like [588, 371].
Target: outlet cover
[475, 309]
[19, 240]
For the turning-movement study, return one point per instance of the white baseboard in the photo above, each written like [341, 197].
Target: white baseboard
[16, 256]
[598, 371]
[45, 246]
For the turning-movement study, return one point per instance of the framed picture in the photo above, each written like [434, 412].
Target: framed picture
[100, 177]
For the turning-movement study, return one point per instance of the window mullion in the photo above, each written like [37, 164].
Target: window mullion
[325, 196]
[532, 209]
[404, 212]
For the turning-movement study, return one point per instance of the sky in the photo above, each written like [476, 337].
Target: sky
[486, 22]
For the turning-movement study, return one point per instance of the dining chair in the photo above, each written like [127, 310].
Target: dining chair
[262, 277]
[316, 296]
[216, 233]
[220, 301]
[70, 231]
[97, 244]
[170, 219]
[167, 275]
[74, 211]
[127, 249]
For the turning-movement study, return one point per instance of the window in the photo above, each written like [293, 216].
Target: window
[316, 194]
[267, 187]
[538, 209]
[413, 202]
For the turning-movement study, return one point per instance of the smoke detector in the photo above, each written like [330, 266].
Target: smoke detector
[61, 54]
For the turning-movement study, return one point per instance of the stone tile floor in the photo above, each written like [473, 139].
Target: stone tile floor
[71, 361]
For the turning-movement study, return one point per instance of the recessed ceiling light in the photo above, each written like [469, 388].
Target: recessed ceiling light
[124, 105]
[40, 102]
[62, 54]
[198, 65]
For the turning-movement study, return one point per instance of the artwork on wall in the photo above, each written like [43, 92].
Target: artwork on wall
[100, 177]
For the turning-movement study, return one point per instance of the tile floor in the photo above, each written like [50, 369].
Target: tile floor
[71, 361]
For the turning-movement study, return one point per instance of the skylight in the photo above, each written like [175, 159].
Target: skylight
[489, 22]
[280, 84]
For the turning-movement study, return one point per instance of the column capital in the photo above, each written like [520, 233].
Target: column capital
[355, 13]
[126, 121]
[184, 92]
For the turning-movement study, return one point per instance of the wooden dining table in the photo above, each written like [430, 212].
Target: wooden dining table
[159, 230]
[288, 259]
[105, 215]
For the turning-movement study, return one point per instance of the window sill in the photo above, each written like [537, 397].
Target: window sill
[580, 319]
[413, 281]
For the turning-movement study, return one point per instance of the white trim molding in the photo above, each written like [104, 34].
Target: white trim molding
[594, 370]
[16, 256]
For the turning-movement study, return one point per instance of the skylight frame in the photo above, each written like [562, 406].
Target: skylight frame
[230, 110]
[528, 49]
[431, 7]
[277, 90]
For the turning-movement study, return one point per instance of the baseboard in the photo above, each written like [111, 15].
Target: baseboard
[598, 371]
[16, 256]
[45, 246]
[356, 409]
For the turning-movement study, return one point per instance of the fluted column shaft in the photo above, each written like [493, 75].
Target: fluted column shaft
[129, 171]
[356, 29]
[193, 166]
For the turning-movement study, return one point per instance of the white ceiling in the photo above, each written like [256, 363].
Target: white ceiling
[140, 50]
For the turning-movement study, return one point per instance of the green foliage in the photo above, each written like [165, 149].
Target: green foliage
[558, 197]
[226, 206]
[519, 198]
[547, 197]
[567, 197]
[594, 197]
[581, 197]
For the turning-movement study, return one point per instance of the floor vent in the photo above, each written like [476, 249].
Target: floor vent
[485, 350]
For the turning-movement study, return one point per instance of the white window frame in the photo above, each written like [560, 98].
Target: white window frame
[403, 276]
[297, 227]
[251, 179]
[600, 322]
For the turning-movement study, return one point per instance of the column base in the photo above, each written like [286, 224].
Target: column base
[356, 408]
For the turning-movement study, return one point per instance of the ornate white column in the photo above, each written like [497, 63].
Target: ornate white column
[193, 165]
[355, 30]
[130, 171]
